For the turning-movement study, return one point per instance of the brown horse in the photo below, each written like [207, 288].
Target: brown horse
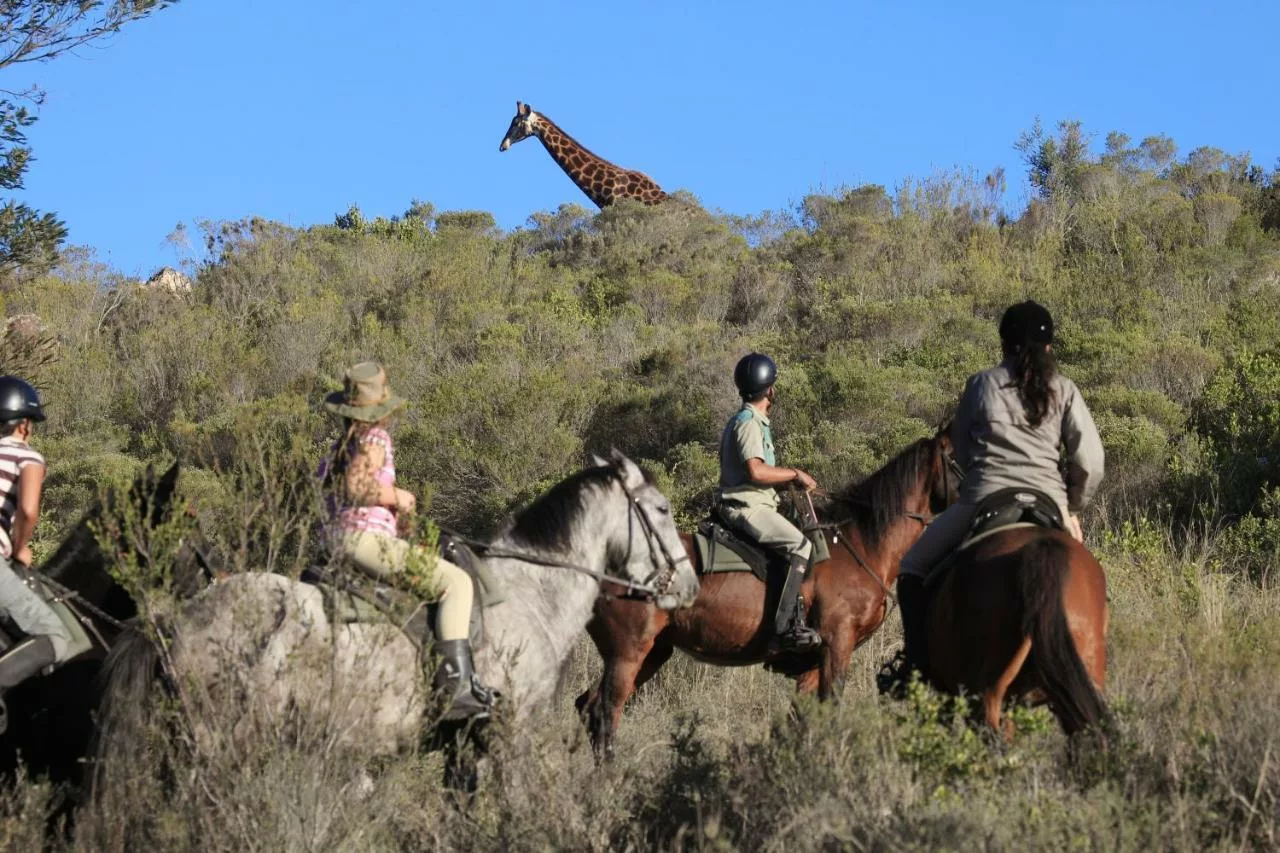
[731, 620]
[1023, 614]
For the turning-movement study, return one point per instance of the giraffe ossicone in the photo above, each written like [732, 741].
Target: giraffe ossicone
[602, 181]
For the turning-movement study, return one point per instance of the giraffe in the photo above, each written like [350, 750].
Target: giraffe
[603, 182]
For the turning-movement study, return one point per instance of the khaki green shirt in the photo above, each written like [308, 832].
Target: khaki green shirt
[746, 436]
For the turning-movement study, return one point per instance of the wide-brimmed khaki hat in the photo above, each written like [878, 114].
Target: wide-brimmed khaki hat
[365, 394]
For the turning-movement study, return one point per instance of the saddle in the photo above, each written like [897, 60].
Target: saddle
[1010, 507]
[1005, 509]
[353, 597]
[721, 548]
[81, 641]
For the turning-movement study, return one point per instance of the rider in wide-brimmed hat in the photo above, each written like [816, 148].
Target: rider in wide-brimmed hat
[367, 511]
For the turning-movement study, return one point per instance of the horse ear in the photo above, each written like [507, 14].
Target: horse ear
[632, 476]
[162, 494]
[599, 461]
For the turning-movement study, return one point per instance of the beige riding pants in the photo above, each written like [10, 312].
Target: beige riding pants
[768, 527]
[384, 557]
[945, 533]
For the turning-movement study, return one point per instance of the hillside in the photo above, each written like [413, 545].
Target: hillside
[524, 351]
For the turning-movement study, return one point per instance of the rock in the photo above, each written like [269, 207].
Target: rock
[169, 279]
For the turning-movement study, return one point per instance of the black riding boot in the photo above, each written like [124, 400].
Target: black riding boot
[456, 678]
[791, 623]
[20, 663]
[911, 599]
[911, 602]
[25, 660]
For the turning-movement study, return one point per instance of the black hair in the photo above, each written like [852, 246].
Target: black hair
[1033, 369]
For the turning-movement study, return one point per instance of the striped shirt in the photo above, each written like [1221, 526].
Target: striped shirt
[15, 455]
[378, 520]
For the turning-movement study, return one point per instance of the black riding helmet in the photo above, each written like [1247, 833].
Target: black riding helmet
[1026, 323]
[754, 374]
[18, 401]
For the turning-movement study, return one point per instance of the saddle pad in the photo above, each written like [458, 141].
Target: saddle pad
[717, 556]
[721, 550]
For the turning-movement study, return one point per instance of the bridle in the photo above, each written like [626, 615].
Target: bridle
[654, 586]
[664, 572]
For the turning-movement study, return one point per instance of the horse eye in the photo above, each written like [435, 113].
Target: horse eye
[665, 509]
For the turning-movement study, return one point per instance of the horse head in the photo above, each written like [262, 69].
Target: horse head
[123, 524]
[644, 545]
[945, 473]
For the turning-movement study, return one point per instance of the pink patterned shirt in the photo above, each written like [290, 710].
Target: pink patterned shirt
[377, 520]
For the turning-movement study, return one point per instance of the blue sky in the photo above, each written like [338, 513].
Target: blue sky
[295, 109]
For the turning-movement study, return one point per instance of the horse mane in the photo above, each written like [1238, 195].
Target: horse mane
[79, 542]
[548, 522]
[879, 499]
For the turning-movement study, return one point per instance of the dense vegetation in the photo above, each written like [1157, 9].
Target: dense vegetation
[523, 351]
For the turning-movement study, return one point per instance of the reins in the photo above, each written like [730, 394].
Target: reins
[650, 589]
[950, 467]
[70, 596]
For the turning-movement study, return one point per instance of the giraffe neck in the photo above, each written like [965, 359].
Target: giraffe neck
[583, 168]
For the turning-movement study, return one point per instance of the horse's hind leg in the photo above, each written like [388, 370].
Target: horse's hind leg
[993, 697]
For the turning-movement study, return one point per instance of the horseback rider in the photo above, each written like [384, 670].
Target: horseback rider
[1009, 430]
[367, 512]
[22, 471]
[748, 500]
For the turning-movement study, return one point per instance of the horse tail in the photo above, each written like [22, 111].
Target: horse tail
[1041, 579]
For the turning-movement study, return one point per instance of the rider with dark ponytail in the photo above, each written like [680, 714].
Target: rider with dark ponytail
[1010, 430]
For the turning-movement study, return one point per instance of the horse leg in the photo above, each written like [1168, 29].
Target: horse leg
[837, 649]
[658, 655]
[993, 696]
[616, 686]
[807, 682]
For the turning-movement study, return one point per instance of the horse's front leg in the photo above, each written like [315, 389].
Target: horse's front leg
[837, 650]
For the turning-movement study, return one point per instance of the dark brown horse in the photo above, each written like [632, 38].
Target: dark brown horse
[1023, 614]
[731, 620]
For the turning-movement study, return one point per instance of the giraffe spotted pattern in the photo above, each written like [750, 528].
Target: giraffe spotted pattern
[602, 181]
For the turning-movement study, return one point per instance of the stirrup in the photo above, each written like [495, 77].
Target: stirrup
[474, 703]
[798, 638]
[895, 675]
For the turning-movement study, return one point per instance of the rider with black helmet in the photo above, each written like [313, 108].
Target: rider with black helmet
[1010, 431]
[748, 500]
[21, 481]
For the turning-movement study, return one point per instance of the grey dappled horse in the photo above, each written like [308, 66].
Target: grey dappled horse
[258, 651]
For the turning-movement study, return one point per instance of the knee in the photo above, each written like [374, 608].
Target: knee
[452, 578]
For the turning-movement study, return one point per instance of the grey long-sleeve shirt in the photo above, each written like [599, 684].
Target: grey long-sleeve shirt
[998, 449]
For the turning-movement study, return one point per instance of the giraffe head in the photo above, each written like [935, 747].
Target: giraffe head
[524, 125]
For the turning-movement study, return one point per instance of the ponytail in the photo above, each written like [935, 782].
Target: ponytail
[1033, 370]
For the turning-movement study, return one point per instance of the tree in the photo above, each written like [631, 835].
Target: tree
[37, 31]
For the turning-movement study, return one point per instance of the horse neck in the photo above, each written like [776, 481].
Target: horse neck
[79, 565]
[551, 601]
[885, 554]
[545, 611]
